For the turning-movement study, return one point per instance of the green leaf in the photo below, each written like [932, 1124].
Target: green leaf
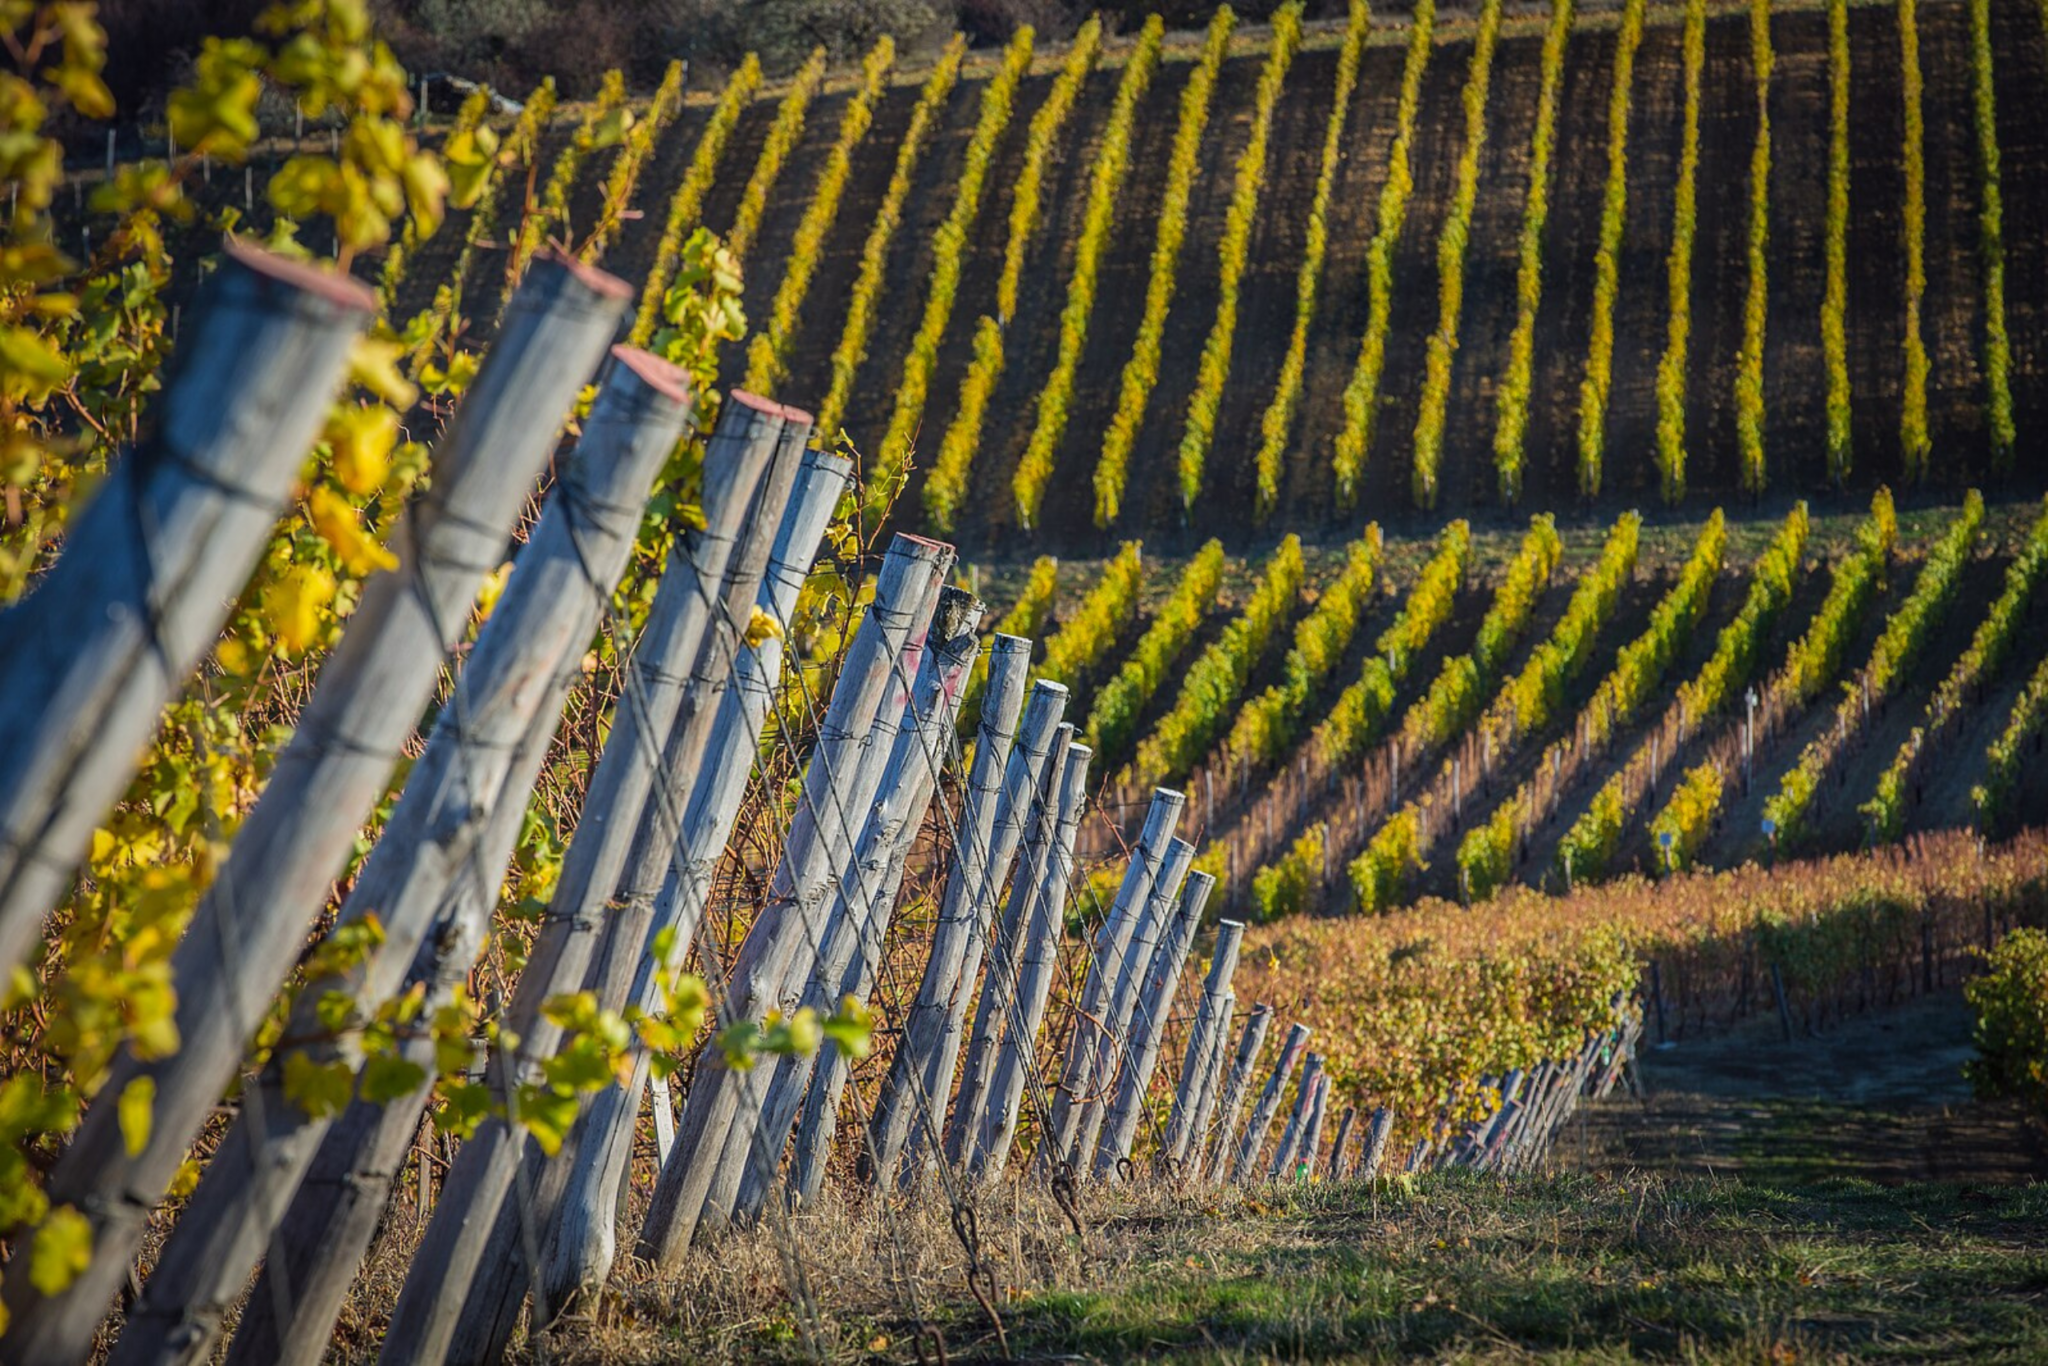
[852, 1029]
[546, 1115]
[320, 1089]
[386, 1077]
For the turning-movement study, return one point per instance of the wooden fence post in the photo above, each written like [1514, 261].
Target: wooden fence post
[330, 1224]
[995, 1008]
[1148, 1024]
[251, 923]
[804, 943]
[152, 563]
[1248, 1148]
[814, 850]
[437, 836]
[1306, 1158]
[693, 660]
[1106, 953]
[998, 789]
[1296, 1129]
[1222, 1149]
[1208, 1087]
[1037, 959]
[1112, 1051]
[445, 1272]
[1334, 1171]
[1180, 1128]
[583, 1237]
[859, 921]
[1375, 1152]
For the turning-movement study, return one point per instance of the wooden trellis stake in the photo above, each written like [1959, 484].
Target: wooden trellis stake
[1222, 1153]
[1245, 1163]
[436, 837]
[153, 562]
[1037, 961]
[1209, 1021]
[1148, 1024]
[250, 925]
[697, 1174]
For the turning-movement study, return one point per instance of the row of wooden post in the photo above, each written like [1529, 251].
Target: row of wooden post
[295, 1192]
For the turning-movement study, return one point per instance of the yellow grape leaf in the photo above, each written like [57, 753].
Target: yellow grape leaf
[373, 365]
[363, 439]
[761, 627]
[492, 589]
[135, 1110]
[293, 606]
[63, 1249]
[337, 524]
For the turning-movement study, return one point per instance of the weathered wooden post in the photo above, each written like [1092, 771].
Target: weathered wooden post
[1296, 1129]
[994, 1006]
[1222, 1148]
[583, 1239]
[437, 836]
[1078, 1067]
[446, 1272]
[854, 931]
[696, 1172]
[1036, 952]
[1209, 1021]
[683, 704]
[151, 565]
[251, 923]
[1246, 1161]
[1148, 1024]
[1335, 1169]
[1305, 1158]
[1209, 1087]
[1375, 1152]
[745, 1155]
[1000, 788]
[1112, 1051]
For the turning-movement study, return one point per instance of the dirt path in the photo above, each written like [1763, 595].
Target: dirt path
[1881, 1097]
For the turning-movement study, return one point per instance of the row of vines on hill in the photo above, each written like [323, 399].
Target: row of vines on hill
[624, 177]
[891, 463]
[1210, 689]
[861, 302]
[1442, 345]
[1599, 378]
[1278, 422]
[1914, 443]
[946, 486]
[1684, 226]
[1834, 331]
[686, 203]
[1749, 361]
[1811, 664]
[1904, 636]
[1141, 371]
[1991, 249]
[1512, 395]
[1213, 370]
[1112, 159]
[1588, 849]
[1362, 392]
[1486, 856]
[766, 350]
[1120, 704]
[1885, 812]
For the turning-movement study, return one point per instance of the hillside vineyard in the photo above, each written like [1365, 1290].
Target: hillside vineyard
[1768, 258]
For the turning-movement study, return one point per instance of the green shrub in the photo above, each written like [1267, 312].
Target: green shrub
[2011, 1001]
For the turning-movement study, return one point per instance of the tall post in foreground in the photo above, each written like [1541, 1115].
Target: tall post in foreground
[437, 836]
[251, 923]
[151, 565]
